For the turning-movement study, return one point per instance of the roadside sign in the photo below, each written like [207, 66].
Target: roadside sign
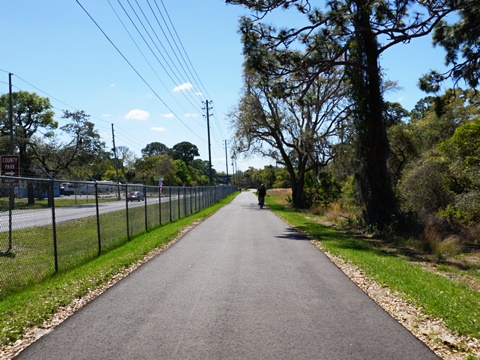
[10, 165]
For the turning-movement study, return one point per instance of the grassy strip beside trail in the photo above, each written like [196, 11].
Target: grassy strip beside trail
[438, 296]
[28, 309]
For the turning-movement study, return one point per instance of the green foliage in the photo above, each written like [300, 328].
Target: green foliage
[460, 40]
[75, 155]
[322, 190]
[464, 145]
[31, 114]
[182, 172]
[348, 199]
[436, 158]
[394, 113]
[425, 189]
[282, 179]
[185, 151]
[155, 148]
[402, 147]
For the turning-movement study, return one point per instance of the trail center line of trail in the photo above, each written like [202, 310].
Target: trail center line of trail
[241, 285]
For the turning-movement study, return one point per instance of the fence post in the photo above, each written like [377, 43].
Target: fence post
[170, 201]
[160, 205]
[190, 201]
[178, 203]
[126, 211]
[11, 204]
[185, 201]
[98, 219]
[54, 223]
[145, 206]
[195, 204]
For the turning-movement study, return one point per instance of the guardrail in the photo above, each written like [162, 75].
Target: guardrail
[70, 223]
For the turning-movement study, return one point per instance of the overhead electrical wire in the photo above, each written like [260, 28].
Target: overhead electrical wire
[142, 53]
[188, 64]
[184, 72]
[183, 48]
[135, 143]
[151, 39]
[168, 71]
[136, 71]
[173, 63]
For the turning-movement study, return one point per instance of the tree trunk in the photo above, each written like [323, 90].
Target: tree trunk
[373, 148]
[297, 183]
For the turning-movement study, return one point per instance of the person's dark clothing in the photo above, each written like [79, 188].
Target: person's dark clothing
[261, 192]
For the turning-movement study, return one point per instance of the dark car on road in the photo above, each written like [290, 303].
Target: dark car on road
[136, 195]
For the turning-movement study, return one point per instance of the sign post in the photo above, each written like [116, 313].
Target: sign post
[10, 165]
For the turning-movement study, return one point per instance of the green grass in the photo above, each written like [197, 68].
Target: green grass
[33, 259]
[438, 296]
[29, 308]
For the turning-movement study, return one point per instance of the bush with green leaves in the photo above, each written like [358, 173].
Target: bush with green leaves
[447, 182]
[323, 189]
[463, 153]
[425, 188]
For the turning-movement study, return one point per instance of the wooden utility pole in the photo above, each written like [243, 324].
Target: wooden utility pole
[116, 163]
[209, 145]
[226, 157]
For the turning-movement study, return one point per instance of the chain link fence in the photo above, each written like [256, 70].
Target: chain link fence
[49, 226]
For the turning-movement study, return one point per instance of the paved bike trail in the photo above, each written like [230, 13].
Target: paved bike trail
[241, 285]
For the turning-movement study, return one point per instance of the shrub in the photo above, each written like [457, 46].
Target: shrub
[425, 189]
[447, 248]
[439, 241]
[465, 210]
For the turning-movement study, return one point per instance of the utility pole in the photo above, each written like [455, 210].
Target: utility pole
[116, 162]
[10, 112]
[226, 158]
[11, 194]
[209, 145]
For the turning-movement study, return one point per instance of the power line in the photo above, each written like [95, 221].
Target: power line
[135, 70]
[142, 53]
[138, 144]
[186, 54]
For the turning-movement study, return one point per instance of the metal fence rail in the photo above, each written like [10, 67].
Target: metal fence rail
[73, 222]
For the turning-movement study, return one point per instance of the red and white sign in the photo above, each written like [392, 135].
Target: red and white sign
[10, 165]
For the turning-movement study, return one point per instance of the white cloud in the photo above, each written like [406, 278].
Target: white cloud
[183, 87]
[199, 94]
[158, 129]
[113, 85]
[400, 99]
[106, 115]
[137, 114]
[168, 116]
[189, 115]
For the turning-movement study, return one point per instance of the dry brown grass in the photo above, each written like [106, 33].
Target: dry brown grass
[281, 194]
[333, 212]
[442, 246]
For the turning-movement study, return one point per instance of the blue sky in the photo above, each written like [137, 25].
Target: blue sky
[53, 48]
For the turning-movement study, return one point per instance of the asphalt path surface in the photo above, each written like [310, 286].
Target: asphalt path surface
[241, 285]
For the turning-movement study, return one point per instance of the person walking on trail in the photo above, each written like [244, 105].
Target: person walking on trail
[261, 192]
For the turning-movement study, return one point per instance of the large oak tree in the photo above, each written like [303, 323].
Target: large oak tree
[293, 122]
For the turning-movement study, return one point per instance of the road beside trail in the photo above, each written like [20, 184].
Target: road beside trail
[241, 285]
